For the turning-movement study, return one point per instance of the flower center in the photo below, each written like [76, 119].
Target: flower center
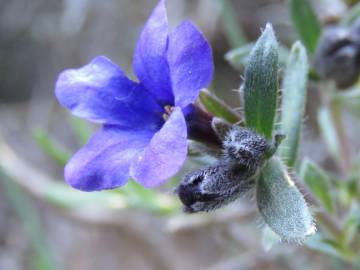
[168, 110]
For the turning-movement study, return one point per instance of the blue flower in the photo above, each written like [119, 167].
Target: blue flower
[144, 133]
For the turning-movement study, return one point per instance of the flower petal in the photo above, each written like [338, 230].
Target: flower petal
[104, 162]
[191, 63]
[150, 63]
[165, 154]
[101, 92]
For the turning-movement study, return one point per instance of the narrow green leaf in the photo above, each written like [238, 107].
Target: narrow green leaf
[51, 147]
[318, 182]
[217, 107]
[328, 131]
[131, 195]
[329, 247]
[352, 186]
[261, 84]
[306, 23]
[139, 197]
[64, 196]
[351, 229]
[293, 102]
[281, 204]
[351, 225]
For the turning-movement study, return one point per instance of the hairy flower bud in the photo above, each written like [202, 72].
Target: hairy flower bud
[338, 55]
[214, 186]
[245, 147]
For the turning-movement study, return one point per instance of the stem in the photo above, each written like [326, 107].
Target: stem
[328, 97]
[336, 113]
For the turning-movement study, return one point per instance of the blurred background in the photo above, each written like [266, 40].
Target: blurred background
[46, 225]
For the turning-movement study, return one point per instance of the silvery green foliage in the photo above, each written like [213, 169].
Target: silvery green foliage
[260, 85]
[294, 88]
[247, 155]
[281, 204]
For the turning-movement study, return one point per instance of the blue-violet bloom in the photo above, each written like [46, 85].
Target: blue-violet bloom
[144, 133]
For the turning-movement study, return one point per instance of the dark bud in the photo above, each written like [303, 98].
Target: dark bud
[338, 56]
[214, 186]
[199, 126]
[245, 147]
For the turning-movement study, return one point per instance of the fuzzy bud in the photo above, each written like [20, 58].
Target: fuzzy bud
[338, 56]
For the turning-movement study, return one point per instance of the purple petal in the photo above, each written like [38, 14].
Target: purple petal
[104, 162]
[101, 92]
[165, 154]
[150, 63]
[190, 61]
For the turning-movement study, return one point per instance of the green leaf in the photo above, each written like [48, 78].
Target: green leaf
[261, 84]
[329, 247]
[328, 131]
[281, 204]
[217, 107]
[306, 23]
[352, 186]
[318, 182]
[351, 225]
[139, 197]
[51, 147]
[65, 196]
[132, 195]
[293, 102]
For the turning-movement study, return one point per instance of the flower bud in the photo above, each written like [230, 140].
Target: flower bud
[199, 126]
[338, 56]
[214, 186]
[245, 147]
